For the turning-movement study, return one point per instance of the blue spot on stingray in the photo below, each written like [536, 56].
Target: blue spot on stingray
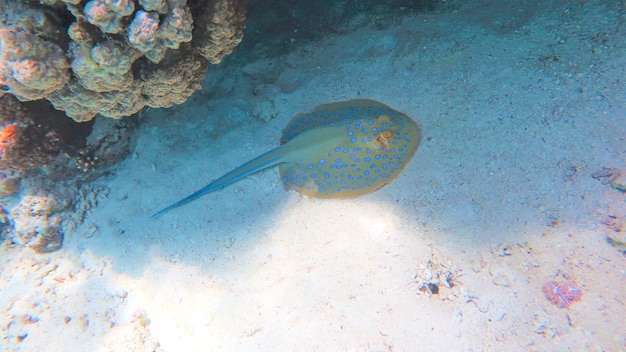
[326, 175]
[313, 175]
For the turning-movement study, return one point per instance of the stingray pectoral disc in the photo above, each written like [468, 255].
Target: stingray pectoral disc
[364, 145]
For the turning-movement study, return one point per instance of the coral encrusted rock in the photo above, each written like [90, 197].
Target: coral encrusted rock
[109, 57]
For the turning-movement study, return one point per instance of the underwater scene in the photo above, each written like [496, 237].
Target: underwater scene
[302, 175]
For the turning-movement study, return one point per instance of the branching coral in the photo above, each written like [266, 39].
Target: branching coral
[109, 57]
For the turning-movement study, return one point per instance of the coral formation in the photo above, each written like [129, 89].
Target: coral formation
[219, 28]
[31, 67]
[36, 223]
[113, 57]
[108, 14]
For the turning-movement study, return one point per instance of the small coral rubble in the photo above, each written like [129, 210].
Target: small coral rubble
[93, 57]
[562, 295]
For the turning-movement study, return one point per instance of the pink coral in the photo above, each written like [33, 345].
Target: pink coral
[562, 295]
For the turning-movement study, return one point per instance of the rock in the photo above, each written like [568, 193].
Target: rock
[613, 177]
[36, 225]
[619, 183]
[501, 280]
[8, 185]
[265, 110]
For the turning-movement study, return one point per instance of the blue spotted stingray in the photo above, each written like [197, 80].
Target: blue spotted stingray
[339, 150]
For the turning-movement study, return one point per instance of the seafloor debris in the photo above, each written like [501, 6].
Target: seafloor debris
[613, 177]
[562, 295]
[617, 234]
[432, 278]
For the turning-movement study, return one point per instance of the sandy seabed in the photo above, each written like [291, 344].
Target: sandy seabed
[517, 112]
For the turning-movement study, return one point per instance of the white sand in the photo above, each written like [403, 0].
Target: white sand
[515, 118]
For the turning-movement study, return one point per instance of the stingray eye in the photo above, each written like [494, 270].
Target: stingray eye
[383, 139]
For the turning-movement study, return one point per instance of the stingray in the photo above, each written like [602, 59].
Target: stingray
[339, 150]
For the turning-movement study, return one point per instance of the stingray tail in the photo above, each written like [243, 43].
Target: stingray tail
[259, 163]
